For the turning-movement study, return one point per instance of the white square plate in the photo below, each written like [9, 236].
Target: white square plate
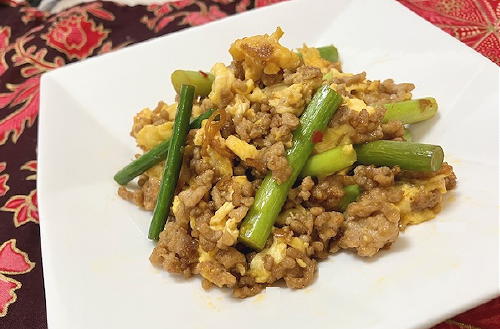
[95, 250]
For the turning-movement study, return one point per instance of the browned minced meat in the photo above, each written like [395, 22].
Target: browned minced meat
[447, 170]
[372, 222]
[144, 195]
[192, 196]
[176, 251]
[134, 196]
[225, 269]
[238, 192]
[296, 269]
[369, 177]
[282, 127]
[388, 92]
[346, 81]
[303, 191]
[158, 117]
[304, 73]
[215, 273]
[327, 192]
[255, 127]
[206, 236]
[327, 224]
[299, 220]
[297, 277]
[246, 287]
[272, 79]
[393, 130]
[274, 158]
[426, 200]
[150, 188]
[310, 223]
[367, 125]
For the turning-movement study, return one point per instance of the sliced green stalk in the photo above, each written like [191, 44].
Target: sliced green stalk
[411, 111]
[407, 135]
[173, 162]
[328, 162]
[406, 155]
[351, 193]
[330, 53]
[153, 156]
[201, 81]
[271, 195]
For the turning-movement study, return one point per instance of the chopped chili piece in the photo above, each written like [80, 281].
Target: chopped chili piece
[317, 137]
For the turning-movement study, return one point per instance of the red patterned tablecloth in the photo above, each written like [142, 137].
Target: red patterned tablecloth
[33, 42]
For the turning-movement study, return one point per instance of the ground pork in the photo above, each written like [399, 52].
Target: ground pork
[369, 177]
[446, 170]
[176, 251]
[144, 195]
[282, 127]
[393, 130]
[262, 94]
[236, 189]
[327, 224]
[426, 200]
[372, 222]
[327, 193]
[253, 127]
[387, 92]
[246, 287]
[303, 74]
[135, 196]
[275, 160]
[189, 198]
[302, 273]
[216, 274]
[367, 126]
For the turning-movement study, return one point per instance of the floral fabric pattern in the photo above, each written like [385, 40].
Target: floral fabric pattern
[33, 42]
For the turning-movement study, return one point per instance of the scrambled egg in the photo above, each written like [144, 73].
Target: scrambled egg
[156, 171]
[176, 205]
[410, 190]
[200, 134]
[287, 99]
[205, 256]
[333, 137]
[257, 96]
[150, 135]
[241, 148]
[218, 220]
[239, 106]
[222, 165]
[170, 109]
[263, 54]
[222, 221]
[341, 135]
[311, 57]
[277, 251]
[356, 104]
[221, 87]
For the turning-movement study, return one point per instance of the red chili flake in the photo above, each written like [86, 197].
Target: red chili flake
[317, 137]
[203, 74]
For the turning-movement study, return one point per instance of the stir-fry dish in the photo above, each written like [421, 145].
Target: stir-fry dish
[263, 167]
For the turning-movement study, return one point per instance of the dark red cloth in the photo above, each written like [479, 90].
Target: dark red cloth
[33, 42]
